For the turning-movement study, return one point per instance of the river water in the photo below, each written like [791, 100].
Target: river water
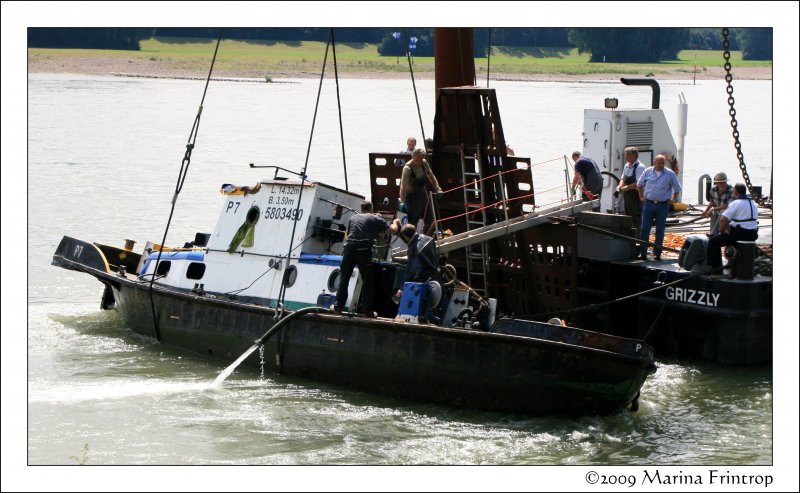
[103, 158]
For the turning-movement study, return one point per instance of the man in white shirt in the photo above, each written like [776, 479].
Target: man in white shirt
[738, 222]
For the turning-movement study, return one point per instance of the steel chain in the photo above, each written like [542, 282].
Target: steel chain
[732, 111]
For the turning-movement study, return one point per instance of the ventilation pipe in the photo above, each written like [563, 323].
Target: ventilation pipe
[646, 82]
[683, 118]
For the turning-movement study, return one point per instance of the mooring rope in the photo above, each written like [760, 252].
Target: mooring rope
[594, 306]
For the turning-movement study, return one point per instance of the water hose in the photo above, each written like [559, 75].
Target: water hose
[280, 323]
[260, 341]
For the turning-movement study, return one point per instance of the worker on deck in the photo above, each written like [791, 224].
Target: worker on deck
[627, 186]
[721, 195]
[738, 222]
[362, 229]
[423, 261]
[417, 179]
[658, 187]
[411, 144]
[588, 174]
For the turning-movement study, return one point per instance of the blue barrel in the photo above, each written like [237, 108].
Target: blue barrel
[326, 300]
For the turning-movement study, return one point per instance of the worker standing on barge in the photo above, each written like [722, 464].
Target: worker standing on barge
[658, 186]
[738, 222]
[362, 229]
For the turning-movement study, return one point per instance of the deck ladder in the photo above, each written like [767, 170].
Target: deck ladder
[475, 218]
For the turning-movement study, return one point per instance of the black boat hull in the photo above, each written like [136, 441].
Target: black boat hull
[723, 320]
[425, 363]
[483, 370]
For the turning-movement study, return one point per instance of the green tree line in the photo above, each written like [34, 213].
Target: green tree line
[615, 44]
[87, 37]
[638, 45]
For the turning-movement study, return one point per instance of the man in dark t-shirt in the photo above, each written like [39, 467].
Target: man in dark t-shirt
[586, 171]
[362, 229]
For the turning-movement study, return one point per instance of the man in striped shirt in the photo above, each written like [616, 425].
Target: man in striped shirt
[721, 195]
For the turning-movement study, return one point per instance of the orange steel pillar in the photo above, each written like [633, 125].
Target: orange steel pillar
[454, 63]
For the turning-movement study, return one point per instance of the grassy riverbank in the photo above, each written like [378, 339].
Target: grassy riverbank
[178, 57]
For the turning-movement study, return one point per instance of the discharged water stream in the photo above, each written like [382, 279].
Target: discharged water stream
[227, 371]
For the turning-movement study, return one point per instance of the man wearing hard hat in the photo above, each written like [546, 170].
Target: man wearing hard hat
[721, 194]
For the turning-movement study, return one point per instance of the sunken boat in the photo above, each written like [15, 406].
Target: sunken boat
[269, 269]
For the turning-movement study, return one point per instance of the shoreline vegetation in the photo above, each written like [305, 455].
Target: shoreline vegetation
[266, 61]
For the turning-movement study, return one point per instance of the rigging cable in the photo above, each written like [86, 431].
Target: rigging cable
[570, 220]
[726, 45]
[339, 103]
[461, 57]
[184, 170]
[489, 58]
[275, 265]
[416, 97]
[595, 306]
[282, 293]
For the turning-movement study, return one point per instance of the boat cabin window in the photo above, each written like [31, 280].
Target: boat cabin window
[290, 276]
[195, 270]
[333, 281]
[163, 268]
[646, 157]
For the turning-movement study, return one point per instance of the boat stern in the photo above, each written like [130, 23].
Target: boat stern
[72, 254]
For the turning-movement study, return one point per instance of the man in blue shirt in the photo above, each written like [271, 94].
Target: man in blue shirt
[658, 186]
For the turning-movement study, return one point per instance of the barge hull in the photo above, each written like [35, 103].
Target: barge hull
[496, 372]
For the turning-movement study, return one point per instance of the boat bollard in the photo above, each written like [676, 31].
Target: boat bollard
[129, 244]
[703, 189]
[744, 263]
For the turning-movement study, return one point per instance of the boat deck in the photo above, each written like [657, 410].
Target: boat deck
[684, 224]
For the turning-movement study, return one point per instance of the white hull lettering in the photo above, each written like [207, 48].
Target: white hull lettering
[283, 213]
[692, 296]
[284, 190]
[233, 205]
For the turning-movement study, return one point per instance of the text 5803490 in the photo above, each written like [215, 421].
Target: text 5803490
[283, 213]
